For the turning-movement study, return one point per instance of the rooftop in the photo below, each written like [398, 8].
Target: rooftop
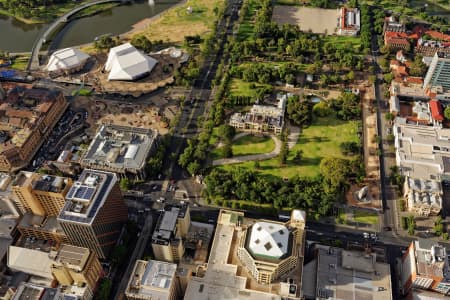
[431, 259]
[49, 183]
[152, 278]
[29, 291]
[31, 261]
[87, 195]
[67, 58]
[422, 151]
[21, 113]
[166, 225]
[120, 147]
[48, 224]
[269, 240]
[345, 274]
[76, 257]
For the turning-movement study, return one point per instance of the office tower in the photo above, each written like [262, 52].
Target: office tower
[94, 212]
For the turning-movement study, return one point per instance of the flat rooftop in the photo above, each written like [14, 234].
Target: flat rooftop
[87, 195]
[120, 147]
[422, 151]
[152, 279]
[73, 256]
[47, 224]
[49, 183]
[345, 274]
[167, 222]
[29, 291]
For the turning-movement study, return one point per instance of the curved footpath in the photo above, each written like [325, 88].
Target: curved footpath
[294, 133]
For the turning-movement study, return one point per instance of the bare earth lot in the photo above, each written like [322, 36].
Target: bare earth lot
[317, 20]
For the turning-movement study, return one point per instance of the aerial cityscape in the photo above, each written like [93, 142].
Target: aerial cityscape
[224, 149]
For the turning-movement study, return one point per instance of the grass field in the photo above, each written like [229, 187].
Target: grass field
[321, 139]
[246, 28]
[176, 23]
[239, 87]
[20, 63]
[366, 217]
[248, 145]
[343, 41]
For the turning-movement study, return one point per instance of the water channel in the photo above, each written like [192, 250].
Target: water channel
[16, 36]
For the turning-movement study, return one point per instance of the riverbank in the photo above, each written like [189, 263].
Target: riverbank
[96, 9]
[49, 14]
[188, 18]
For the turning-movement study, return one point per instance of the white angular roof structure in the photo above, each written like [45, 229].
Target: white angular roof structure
[269, 239]
[66, 59]
[125, 62]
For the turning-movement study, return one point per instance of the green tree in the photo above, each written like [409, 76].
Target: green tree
[118, 253]
[411, 225]
[299, 111]
[193, 168]
[227, 151]
[284, 152]
[298, 156]
[418, 67]
[105, 42]
[226, 132]
[104, 290]
[447, 112]
[388, 116]
[335, 170]
[140, 41]
[124, 184]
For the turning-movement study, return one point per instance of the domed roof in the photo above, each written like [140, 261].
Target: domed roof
[269, 239]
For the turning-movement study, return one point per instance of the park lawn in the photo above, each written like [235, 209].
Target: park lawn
[239, 87]
[20, 63]
[321, 139]
[246, 28]
[176, 23]
[248, 145]
[366, 217]
[343, 41]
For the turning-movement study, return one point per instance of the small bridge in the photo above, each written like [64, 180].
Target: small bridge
[33, 63]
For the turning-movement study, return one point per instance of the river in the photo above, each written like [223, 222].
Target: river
[16, 36]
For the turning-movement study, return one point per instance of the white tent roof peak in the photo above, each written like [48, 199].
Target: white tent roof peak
[67, 58]
[125, 62]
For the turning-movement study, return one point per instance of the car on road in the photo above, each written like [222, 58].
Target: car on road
[366, 235]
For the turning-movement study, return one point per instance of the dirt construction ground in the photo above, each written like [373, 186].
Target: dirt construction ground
[317, 20]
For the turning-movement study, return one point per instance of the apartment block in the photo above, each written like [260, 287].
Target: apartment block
[423, 197]
[41, 228]
[94, 212]
[27, 116]
[425, 266]
[153, 280]
[171, 228]
[42, 195]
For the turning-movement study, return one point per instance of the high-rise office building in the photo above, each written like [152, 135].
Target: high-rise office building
[42, 195]
[438, 75]
[94, 212]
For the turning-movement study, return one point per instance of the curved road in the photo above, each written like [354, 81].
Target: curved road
[33, 63]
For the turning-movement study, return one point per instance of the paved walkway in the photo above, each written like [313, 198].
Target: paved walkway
[292, 140]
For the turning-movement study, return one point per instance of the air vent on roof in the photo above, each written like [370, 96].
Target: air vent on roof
[257, 241]
[268, 246]
[281, 231]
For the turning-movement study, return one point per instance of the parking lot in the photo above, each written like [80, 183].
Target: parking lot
[56, 142]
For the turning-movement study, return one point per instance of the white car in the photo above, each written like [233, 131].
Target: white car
[366, 235]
